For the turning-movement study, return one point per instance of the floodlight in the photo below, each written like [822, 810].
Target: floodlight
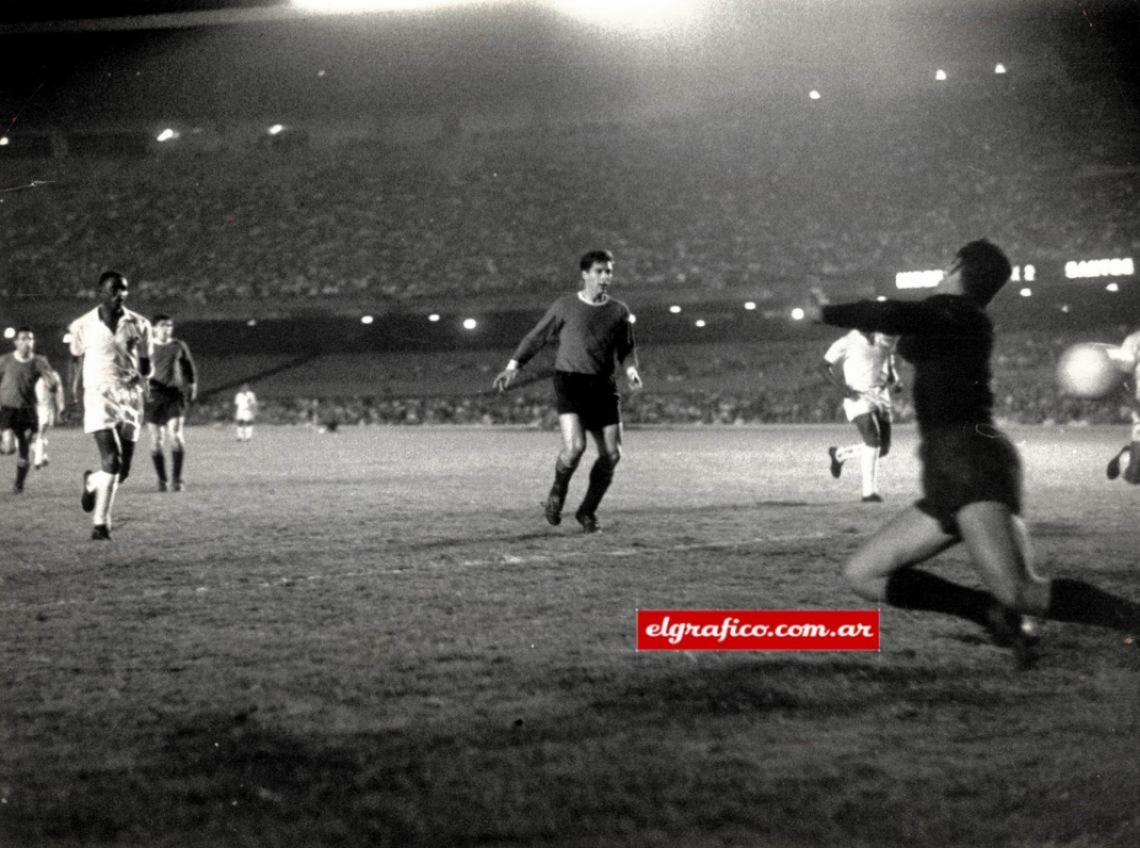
[4, 141]
[366, 319]
[434, 317]
[470, 323]
[797, 314]
[675, 309]
[9, 332]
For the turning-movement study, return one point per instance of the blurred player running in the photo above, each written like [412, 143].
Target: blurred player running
[245, 411]
[51, 400]
[19, 422]
[173, 384]
[971, 473]
[1130, 454]
[867, 365]
[594, 332]
[111, 351]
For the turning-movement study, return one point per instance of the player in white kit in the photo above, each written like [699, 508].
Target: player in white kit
[863, 366]
[50, 403]
[245, 410]
[111, 351]
[1127, 459]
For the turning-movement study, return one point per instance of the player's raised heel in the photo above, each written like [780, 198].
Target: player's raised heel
[87, 499]
[179, 486]
[588, 520]
[101, 533]
[552, 509]
[836, 464]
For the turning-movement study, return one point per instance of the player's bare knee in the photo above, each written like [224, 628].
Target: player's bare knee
[613, 457]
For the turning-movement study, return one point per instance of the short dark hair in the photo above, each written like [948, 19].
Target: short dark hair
[160, 317]
[109, 275]
[984, 268]
[24, 329]
[588, 260]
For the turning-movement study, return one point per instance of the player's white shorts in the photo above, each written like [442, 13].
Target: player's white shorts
[111, 406]
[865, 405]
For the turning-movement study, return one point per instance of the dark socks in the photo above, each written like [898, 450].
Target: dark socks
[1081, 603]
[159, 466]
[601, 475]
[176, 456]
[562, 475]
[919, 590]
[21, 473]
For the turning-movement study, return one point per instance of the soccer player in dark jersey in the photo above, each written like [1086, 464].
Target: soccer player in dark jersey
[971, 475]
[173, 384]
[594, 333]
[19, 422]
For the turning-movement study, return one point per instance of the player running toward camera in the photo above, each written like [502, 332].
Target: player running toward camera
[173, 384]
[111, 351]
[866, 375]
[51, 400]
[971, 475]
[594, 332]
[245, 410]
[19, 421]
[1130, 453]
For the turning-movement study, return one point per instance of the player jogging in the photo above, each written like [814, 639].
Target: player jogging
[111, 352]
[19, 421]
[1130, 453]
[51, 400]
[971, 474]
[173, 384]
[866, 364]
[245, 410]
[594, 333]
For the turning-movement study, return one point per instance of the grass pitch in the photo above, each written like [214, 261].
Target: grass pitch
[372, 638]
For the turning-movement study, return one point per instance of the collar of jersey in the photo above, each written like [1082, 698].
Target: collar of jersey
[582, 297]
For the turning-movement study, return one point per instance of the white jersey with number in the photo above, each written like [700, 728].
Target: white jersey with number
[867, 367]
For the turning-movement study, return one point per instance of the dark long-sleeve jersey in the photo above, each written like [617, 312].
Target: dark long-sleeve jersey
[591, 337]
[18, 379]
[173, 365]
[948, 339]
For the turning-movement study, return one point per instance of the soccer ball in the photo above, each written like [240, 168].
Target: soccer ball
[1089, 371]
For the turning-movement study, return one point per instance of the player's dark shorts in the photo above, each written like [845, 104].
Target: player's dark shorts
[165, 403]
[593, 397]
[966, 464]
[19, 419]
